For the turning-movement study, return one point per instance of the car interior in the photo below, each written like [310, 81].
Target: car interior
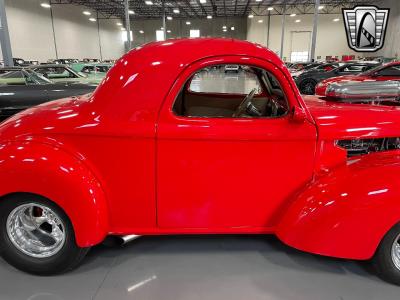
[252, 93]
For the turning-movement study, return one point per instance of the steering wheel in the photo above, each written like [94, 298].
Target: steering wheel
[242, 108]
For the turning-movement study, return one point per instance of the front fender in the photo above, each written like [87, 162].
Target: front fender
[347, 212]
[46, 169]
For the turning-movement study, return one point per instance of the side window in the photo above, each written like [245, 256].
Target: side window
[354, 68]
[12, 78]
[231, 91]
[390, 71]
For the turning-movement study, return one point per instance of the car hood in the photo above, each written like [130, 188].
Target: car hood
[337, 120]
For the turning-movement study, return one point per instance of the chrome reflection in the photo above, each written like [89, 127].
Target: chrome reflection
[396, 252]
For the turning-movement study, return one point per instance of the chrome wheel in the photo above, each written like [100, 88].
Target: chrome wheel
[396, 252]
[36, 230]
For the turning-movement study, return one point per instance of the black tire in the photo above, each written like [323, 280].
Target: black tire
[67, 257]
[382, 261]
[307, 86]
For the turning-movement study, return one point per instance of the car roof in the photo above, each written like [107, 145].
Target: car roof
[47, 66]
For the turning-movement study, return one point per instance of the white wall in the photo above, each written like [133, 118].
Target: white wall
[331, 36]
[32, 36]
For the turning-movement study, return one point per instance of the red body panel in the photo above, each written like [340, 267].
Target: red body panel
[320, 89]
[140, 169]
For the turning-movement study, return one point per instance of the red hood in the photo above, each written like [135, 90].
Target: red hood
[344, 121]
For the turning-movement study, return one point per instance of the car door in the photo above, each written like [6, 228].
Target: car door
[230, 173]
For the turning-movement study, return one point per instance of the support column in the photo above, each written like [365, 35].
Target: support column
[54, 32]
[98, 35]
[314, 32]
[5, 37]
[283, 29]
[163, 20]
[128, 26]
[269, 26]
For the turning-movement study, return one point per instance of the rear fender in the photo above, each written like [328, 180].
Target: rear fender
[48, 170]
[347, 212]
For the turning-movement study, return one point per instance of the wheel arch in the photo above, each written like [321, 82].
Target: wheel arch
[347, 212]
[47, 170]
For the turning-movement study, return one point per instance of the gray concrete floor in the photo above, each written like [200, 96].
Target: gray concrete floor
[201, 267]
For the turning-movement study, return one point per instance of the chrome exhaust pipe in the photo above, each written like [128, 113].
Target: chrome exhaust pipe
[119, 240]
[128, 238]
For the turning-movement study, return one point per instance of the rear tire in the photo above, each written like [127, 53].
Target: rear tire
[36, 236]
[386, 260]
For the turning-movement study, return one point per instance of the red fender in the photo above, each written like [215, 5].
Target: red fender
[347, 212]
[46, 169]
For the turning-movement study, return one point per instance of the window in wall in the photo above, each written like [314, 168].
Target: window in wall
[299, 56]
[159, 35]
[213, 93]
[194, 33]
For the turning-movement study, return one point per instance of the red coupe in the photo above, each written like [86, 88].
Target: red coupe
[156, 149]
[390, 71]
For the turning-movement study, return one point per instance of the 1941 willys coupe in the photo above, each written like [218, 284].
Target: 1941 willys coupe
[157, 150]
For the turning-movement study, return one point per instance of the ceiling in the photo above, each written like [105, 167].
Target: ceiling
[215, 8]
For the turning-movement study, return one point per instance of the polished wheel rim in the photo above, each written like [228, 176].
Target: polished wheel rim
[396, 252]
[36, 230]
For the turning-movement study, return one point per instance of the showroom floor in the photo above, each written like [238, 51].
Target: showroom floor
[201, 267]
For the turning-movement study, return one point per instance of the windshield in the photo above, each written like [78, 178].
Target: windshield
[35, 78]
[371, 71]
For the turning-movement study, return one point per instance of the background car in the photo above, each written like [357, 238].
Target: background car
[64, 73]
[231, 68]
[307, 81]
[322, 67]
[390, 71]
[23, 88]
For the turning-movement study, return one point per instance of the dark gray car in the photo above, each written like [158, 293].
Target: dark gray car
[22, 88]
[307, 81]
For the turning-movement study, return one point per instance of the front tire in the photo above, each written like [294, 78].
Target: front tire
[307, 86]
[36, 236]
[386, 260]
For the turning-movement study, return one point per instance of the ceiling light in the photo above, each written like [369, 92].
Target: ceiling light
[148, 2]
[270, 8]
[251, 16]
[141, 31]
[292, 15]
[209, 17]
[336, 20]
[119, 24]
[260, 21]
[176, 11]
[131, 12]
[188, 23]
[224, 29]
[169, 31]
[87, 13]
[321, 7]
[258, 0]
[169, 18]
[92, 19]
[45, 5]
[203, 1]
[298, 21]
[232, 28]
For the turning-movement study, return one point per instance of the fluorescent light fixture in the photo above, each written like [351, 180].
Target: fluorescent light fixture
[336, 20]
[188, 23]
[87, 13]
[224, 27]
[232, 28]
[224, 30]
[292, 15]
[176, 11]
[148, 2]
[160, 35]
[119, 24]
[169, 18]
[260, 21]
[45, 5]
[203, 1]
[251, 16]
[298, 21]
[131, 12]
[92, 19]
[270, 8]
[321, 7]
[258, 0]
[168, 31]
[141, 31]
[194, 33]
[209, 17]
